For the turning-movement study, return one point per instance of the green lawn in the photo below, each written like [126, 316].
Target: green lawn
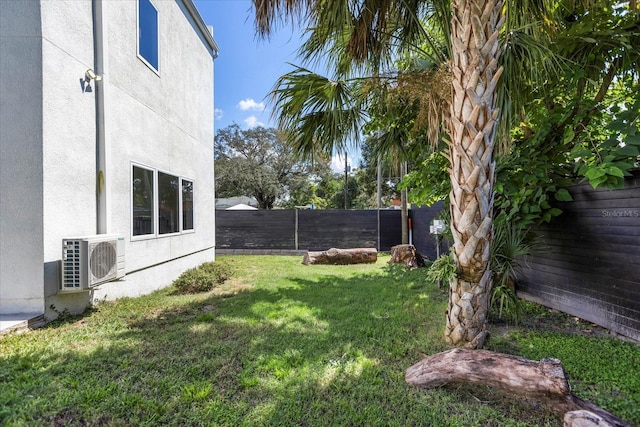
[282, 344]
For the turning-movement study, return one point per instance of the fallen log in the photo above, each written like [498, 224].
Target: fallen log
[406, 255]
[583, 418]
[544, 381]
[341, 256]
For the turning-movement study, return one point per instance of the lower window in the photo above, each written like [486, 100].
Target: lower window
[168, 205]
[162, 203]
[143, 202]
[187, 205]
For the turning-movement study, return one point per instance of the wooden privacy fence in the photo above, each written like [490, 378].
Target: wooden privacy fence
[317, 230]
[313, 230]
[588, 260]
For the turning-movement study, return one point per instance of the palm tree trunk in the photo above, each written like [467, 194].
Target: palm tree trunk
[475, 27]
[404, 199]
[346, 180]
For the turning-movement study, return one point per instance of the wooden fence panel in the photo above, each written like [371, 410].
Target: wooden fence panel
[274, 229]
[421, 219]
[390, 228]
[319, 230]
[588, 259]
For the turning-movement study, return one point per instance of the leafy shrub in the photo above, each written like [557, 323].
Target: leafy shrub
[220, 269]
[443, 269]
[505, 304]
[203, 278]
[511, 243]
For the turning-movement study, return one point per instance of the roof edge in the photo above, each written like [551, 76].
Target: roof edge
[202, 26]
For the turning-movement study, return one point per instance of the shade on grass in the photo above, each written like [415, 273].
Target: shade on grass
[278, 344]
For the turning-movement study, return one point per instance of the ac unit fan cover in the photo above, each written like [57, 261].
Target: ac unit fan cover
[103, 260]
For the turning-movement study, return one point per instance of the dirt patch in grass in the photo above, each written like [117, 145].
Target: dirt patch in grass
[231, 287]
[73, 417]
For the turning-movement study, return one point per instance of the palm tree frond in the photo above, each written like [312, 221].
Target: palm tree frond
[316, 113]
[270, 13]
[523, 51]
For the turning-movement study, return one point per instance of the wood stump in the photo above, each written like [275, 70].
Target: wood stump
[543, 381]
[342, 256]
[584, 418]
[407, 255]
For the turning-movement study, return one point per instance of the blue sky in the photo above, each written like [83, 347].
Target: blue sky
[248, 67]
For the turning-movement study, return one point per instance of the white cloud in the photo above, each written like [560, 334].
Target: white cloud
[218, 113]
[252, 121]
[337, 162]
[250, 104]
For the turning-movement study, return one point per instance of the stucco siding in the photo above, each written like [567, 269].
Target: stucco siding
[68, 24]
[21, 190]
[162, 121]
[69, 125]
[185, 68]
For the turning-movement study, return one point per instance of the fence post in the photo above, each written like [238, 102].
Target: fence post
[295, 234]
[378, 215]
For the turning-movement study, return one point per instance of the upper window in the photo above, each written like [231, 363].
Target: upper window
[148, 33]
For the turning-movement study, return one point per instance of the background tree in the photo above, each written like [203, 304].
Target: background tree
[368, 177]
[316, 189]
[256, 162]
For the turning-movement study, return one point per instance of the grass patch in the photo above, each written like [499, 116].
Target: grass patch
[278, 343]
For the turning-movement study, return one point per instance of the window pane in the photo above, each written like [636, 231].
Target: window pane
[142, 201]
[168, 195]
[187, 205]
[148, 32]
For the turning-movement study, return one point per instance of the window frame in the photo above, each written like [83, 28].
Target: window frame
[155, 232]
[155, 69]
[178, 201]
[193, 213]
[154, 224]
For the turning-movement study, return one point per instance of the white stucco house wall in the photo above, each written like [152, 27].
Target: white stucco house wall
[106, 128]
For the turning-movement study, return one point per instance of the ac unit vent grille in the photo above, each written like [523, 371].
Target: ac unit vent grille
[71, 261]
[103, 261]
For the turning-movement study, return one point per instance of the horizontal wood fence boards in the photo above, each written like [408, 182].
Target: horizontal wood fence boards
[319, 230]
[260, 229]
[587, 262]
[314, 230]
[390, 229]
[421, 219]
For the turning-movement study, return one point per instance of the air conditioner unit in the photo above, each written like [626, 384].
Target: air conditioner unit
[89, 261]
